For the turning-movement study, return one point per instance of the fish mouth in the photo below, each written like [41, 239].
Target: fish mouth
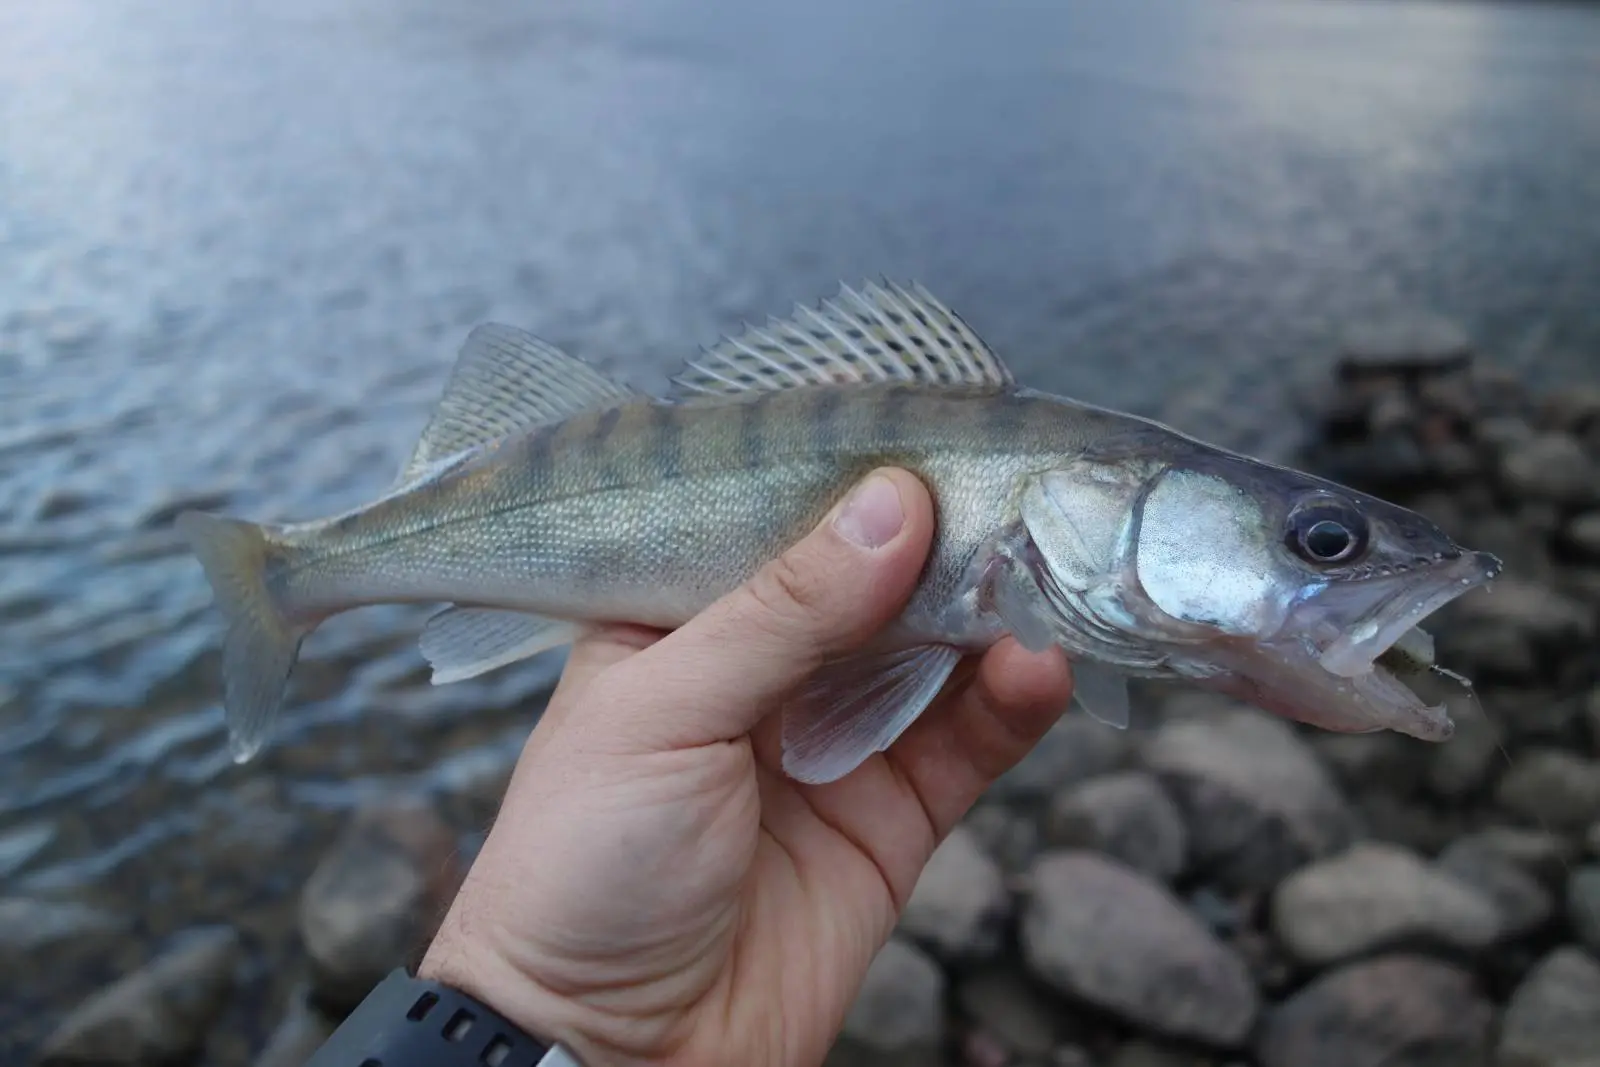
[1354, 652]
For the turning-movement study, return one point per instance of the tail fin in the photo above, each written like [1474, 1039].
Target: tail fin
[262, 644]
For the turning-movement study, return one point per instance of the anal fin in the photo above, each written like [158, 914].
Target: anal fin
[858, 706]
[462, 643]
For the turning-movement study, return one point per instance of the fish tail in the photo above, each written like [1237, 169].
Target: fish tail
[263, 641]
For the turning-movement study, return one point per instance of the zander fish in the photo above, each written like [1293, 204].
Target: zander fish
[545, 497]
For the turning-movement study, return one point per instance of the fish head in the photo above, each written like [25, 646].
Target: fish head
[1274, 586]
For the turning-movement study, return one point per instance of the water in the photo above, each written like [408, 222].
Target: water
[239, 244]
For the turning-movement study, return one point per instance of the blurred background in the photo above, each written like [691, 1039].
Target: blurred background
[240, 244]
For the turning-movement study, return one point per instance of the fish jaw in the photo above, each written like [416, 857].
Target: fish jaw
[1326, 675]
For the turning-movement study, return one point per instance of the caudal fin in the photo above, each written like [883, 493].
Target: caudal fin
[262, 644]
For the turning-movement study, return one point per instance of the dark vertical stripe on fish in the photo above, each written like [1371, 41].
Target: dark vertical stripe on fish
[824, 418]
[893, 412]
[667, 439]
[1005, 419]
[752, 419]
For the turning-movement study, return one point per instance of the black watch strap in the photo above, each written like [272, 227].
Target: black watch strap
[411, 1022]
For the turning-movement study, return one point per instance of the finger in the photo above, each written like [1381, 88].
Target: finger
[716, 676]
[981, 729]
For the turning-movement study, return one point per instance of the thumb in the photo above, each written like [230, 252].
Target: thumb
[718, 675]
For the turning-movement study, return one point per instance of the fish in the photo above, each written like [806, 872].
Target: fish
[545, 498]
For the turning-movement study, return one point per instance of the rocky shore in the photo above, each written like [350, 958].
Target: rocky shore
[1212, 887]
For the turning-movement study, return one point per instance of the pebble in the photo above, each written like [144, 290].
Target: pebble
[1074, 749]
[1553, 788]
[1583, 906]
[1462, 767]
[376, 896]
[898, 1014]
[1551, 466]
[1553, 1019]
[1524, 904]
[1102, 933]
[1583, 534]
[1012, 1011]
[1378, 1013]
[298, 1035]
[1127, 815]
[1544, 855]
[960, 907]
[1410, 342]
[1376, 896]
[1256, 800]
[29, 925]
[160, 1013]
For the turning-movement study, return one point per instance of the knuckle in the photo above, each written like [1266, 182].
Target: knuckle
[787, 593]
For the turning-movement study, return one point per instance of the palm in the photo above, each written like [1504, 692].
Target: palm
[780, 892]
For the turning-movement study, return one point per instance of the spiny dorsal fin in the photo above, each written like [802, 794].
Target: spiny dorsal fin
[882, 334]
[505, 380]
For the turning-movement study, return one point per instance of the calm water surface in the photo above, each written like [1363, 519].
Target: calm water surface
[239, 244]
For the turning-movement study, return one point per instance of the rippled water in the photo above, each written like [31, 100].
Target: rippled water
[239, 244]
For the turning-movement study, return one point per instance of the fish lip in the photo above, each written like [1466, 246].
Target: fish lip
[1353, 652]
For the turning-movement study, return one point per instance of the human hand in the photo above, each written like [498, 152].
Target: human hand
[655, 889]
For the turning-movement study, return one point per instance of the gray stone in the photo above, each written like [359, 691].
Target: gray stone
[1544, 855]
[1127, 815]
[1075, 748]
[1462, 766]
[1552, 787]
[1006, 1006]
[1551, 466]
[898, 1014]
[960, 906]
[20, 846]
[1376, 896]
[28, 925]
[1379, 1013]
[1583, 905]
[1256, 800]
[1553, 1019]
[376, 895]
[300, 1033]
[1009, 836]
[1380, 758]
[158, 1014]
[1517, 610]
[1404, 341]
[1101, 932]
[1583, 533]
[1524, 904]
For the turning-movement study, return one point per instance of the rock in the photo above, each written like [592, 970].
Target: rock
[1583, 906]
[1007, 1007]
[1127, 815]
[1099, 931]
[1553, 1019]
[28, 925]
[1074, 749]
[1545, 856]
[1551, 466]
[1377, 896]
[1007, 835]
[1381, 758]
[1420, 827]
[1507, 630]
[21, 846]
[1552, 787]
[898, 1014]
[158, 1014]
[1464, 765]
[1149, 1054]
[1381, 1012]
[1255, 798]
[1582, 533]
[376, 895]
[1523, 903]
[960, 906]
[302, 1031]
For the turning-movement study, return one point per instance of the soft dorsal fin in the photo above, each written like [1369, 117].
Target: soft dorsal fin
[881, 334]
[505, 380]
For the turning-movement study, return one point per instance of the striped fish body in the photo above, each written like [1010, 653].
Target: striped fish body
[544, 497]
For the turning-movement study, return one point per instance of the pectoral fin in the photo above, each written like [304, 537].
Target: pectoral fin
[858, 706]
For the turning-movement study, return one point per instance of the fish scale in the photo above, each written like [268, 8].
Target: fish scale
[545, 498]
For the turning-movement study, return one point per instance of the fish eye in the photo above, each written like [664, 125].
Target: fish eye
[1326, 532]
